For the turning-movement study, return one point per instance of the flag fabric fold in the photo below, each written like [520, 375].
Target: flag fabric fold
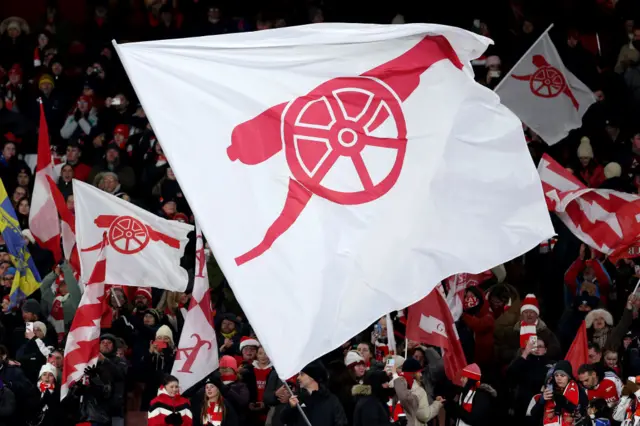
[544, 94]
[44, 223]
[578, 353]
[361, 172]
[430, 322]
[145, 248]
[605, 220]
[27, 278]
[83, 341]
[197, 354]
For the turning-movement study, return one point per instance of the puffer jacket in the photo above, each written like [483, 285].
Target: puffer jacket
[415, 402]
[370, 410]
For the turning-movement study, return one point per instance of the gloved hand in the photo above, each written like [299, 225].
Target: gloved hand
[173, 419]
[217, 380]
[77, 115]
[91, 371]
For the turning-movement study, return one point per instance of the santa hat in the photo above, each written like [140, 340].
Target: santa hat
[248, 341]
[48, 368]
[472, 372]
[353, 358]
[144, 292]
[530, 303]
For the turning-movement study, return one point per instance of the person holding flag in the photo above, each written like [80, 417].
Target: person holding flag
[27, 278]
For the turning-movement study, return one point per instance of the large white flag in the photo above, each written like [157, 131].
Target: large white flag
[545, 95]
[197, 354]
[145, 249]
[340, 171]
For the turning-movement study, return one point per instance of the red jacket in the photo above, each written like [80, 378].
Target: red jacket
[482, 325]
[81, 172]
[593, 179]
[573, 279]
[164, 405]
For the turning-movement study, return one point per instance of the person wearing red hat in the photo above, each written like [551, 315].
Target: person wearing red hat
[248, 348]
[476, 403]
[530, 328]
[232, 389]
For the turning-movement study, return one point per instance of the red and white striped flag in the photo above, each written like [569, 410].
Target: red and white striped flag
[68, 228]
[197, 354]
[83, 342]
[44, 223]
[430, 322]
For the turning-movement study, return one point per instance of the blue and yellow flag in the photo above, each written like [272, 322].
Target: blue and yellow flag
[27, 279]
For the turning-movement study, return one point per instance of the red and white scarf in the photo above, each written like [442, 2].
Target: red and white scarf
[46, 387]
[550, 418]
[526, 332]
[56, 317]
[214, 414]
[467, 403]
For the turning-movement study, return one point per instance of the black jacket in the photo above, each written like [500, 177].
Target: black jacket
[48, 411]
[25, 393]
[370, 410]
[230, 416]
[7, 407]
[322, 408]
[482, 408]
[527, 376]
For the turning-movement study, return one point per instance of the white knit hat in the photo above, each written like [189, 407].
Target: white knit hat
[353, 358]
[40, 325]
[585, 150]
[48, 368]
[165, 331]
[612, 170]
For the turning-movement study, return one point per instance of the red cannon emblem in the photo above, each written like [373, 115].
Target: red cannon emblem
[334, 123]
[128, 235]
[547, 81]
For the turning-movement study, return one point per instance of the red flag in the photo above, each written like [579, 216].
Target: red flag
[44, 223]
[604, 219]
[430, 322]
[83, 342]
[579, 351]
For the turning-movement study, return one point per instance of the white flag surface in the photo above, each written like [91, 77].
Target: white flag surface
[340, 171]
[145, 249]
[197, 354]
[544, 94]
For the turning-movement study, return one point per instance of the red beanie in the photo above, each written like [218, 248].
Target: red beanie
[229, 362]
[472, 372]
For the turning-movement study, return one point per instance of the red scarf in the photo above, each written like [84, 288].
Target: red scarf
[467, 401]
[46, 386]
[57, 313]
[526, 332]
[409, 377]
[228, 378]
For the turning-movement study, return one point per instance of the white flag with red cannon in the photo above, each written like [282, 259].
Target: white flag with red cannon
[544, 94]
[349, 168]
[145, 249]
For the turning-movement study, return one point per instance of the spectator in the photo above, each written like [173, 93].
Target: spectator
[476, 401]
[591, 173]
[371, 400]
[60, 303]
[587, 274]
[158, 362]
[602, 391]
[600, 327]
[48, 411]
[215, 410]
[321, 407]
[81, 120]
[478, 318]
[412, 395]
[112, 163]
[169, 407]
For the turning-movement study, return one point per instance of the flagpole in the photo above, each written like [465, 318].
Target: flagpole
[304, 416]
[523, 56]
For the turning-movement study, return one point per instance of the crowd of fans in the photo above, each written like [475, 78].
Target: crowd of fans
[516, 327]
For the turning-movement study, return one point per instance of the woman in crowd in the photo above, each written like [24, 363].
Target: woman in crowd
[214, 409]
[170, 408]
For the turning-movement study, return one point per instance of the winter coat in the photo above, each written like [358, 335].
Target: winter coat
[609, 337]
[322, 408]
[573, 279]
[164, 405]
[31, 356]
[480, 320]
[48, 411]
[24, 392]
[155, 367]
[482, 407]
[504, 323]
[543, 332]
[415, 402]
[69, 303]
[73, 129]
[370, 410]
[8, 407]
[271, 400]
[527, 376]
